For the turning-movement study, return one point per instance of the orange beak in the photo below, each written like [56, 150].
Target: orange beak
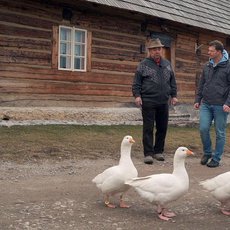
[131, 140]
[189, 152]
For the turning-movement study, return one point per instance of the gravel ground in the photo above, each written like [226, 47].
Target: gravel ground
[59, 194]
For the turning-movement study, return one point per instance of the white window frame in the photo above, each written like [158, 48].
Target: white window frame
[72, 53]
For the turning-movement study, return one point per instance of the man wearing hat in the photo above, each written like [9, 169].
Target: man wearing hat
[153, 86]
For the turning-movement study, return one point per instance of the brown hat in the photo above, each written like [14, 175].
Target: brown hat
[154, 43]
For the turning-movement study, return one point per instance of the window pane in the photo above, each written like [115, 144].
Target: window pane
[68, 62]
[65, 48]
[65, 62]
[79, 50]
[80, 36]
[79, 63]
[65, 34]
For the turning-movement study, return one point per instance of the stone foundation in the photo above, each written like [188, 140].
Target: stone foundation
[84, 116]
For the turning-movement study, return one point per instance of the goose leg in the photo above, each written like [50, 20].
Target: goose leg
[225, 212]
[225, 208]
[107, 203]
[164, 214]
[122, 203]
[167, 213]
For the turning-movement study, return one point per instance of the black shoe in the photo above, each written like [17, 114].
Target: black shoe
[204, 159]
[213, 164]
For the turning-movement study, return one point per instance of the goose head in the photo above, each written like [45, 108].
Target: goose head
[183, 152]
[128, 140]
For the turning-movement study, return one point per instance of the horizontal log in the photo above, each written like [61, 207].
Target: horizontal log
[186, 55]
[111, 53]
[68, 100]
[184, 94]
[113, 66]
[189, 61]
[107, 72]
[35, 9]
[51, 87]
[182, 87]
[117, 44]
[185, 78]
[25, 19]
[100, 23]
[189, 66]
[48, 74]
[21, 56]
[117, 61]
[18, 42]
[13, 30]
[63, 97]
[67, 91]
[114, 36]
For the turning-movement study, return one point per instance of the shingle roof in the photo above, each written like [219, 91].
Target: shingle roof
[212, 15]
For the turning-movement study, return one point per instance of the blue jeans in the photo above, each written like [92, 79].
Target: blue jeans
[209, 113]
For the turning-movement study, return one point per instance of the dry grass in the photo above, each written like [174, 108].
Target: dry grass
[57, 142]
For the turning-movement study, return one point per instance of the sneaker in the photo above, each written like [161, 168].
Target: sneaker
[213, 164]
[159, 156]
[148, 160]
[204, 159]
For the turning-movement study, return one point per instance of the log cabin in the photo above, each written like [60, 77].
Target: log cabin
[84, 53]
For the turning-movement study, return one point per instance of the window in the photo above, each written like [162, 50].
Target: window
[72, 49]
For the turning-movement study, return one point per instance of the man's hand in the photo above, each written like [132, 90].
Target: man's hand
[196, 106]
[138, 101]
[174, 100]
[226, 108]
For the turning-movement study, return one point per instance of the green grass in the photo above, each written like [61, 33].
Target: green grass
[76, 141]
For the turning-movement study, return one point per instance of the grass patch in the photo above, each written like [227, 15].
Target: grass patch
[22, 143]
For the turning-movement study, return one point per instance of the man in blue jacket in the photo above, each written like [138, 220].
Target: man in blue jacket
[153, 86]
[213, 100]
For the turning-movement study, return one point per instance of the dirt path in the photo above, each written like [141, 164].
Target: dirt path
[59, 195]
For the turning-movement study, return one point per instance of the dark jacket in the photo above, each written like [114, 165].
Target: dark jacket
[214, 85]
[154, 83]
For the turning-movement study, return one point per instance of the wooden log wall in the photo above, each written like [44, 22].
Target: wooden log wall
[28, 58]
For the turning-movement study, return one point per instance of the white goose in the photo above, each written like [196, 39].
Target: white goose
[161, 189]
[112, 180]
[219, 187]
